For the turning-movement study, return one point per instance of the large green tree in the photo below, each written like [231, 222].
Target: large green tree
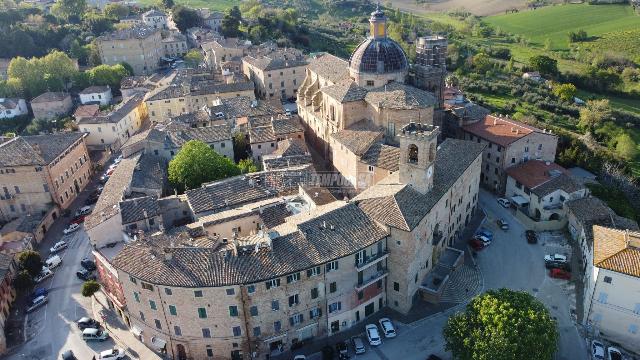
[626, 147]
[36, 75]
[185, 18]
[594, 113]
[70, 10]
[89, 288]
[108, 75]
[544, 64]
[193, 58]
[231, 23]
[23, 281]
[116, 11]
[196, 163]
[502, 325]
[31, 262]
[565, 92]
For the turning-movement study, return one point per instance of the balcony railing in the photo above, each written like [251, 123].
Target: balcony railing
[380, 274]
[370, 260]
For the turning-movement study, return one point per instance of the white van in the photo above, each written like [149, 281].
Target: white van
[94, 334]
[53, 262]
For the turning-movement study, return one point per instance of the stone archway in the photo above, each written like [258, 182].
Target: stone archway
[182, 352]
[554, 216]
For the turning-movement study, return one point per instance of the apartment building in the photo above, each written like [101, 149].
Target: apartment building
[508, 143]
[37, 172]
[100, 95]
[276, 72]
[265, 133]
[113, 128]
[217, 52]
[51, 105]
[140, 47]
[175, 44]
[190, 90]
[155, 19]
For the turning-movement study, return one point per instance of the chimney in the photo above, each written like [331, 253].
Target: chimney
[517, 131]
[495, 121]
[513, 129]
[168, 254]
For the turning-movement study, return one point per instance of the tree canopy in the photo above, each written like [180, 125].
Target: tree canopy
[193, 58]
[185, 18]
[626, 147]
[89, 288]
[566, 92]
[231, 23]
[594, 113]
[502, 325]
[247, 166]
[31, 262]
[544, 64]
[70, 10]
[37, 75]
[196, 163]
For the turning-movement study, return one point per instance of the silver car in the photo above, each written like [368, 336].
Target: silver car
[358, 345]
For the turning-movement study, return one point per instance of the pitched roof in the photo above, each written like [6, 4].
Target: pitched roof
[399, 96]
[239, 106]
[329, 67]
[95, 90]
[300, 243]
[86, 111]
[616, 250]
[136, 32]
[382, 156]
[345, 91]
[290, 147]
[17, 152]
[50, 146]
[358, 137]
[277, 59]
[209, 134]
[226, 193]
[9, 103]
[139, 209]
[535, 172]
[499, 130]
[118, 113]
[403, 207]
[50, 97]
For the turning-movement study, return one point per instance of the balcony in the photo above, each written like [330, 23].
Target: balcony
[380, 274]
[371, 260]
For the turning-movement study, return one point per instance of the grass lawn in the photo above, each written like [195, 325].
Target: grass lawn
[554, 22]
[631, 105]
[220, 5]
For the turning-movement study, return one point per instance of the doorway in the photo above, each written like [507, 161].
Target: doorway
[75, 184]
[182, 353]
[369, 309]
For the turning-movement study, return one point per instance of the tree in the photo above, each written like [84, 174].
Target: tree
[626, 147]
[247, 166]
[55, 68]
[89, 288]
[69, 9]
[168, 4]
[240, 146]
[97, 23]
[185, 18]
[481, 63]
[31, 262]
[594, 113]
[193, 58]
[108, 75]
[197, 163]
[116, 11]
[23, 281]
[577, 36]
[544, 64]
[231, 23]
[566, 92]
[502, 325]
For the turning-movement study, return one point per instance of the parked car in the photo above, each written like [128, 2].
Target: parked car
[614, 354]
[53, 262]
[299, 357]
[597, 350]
[104, 178]
[502, 224]
[485, 240]
[38, 292]
[85, 210]
[372, 335]
[110, 171]
[68, 355]
[342, 350]
[476, 244]
[117, 160]
[112, 354]
[44, 274]
[532, 237]
[558, 265]
[387, 328]
[358, 345]
[486, 233]
[87, 323]
[77, 220]
[85, 275]
[555, 257]
[560, 274]
[72, 227]
[94, 334]
[88, 264]
[37, 303]
[59, 245]
[92, 199]
[504, 202]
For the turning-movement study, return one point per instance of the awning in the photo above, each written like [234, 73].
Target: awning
[520, 200]
[136, 330]
[158, 343]
[274, 338]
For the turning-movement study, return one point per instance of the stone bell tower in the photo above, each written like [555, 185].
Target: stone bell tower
[418, 144]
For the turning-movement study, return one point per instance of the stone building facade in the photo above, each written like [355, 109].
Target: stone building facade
[140, 47]
[51, 105]
[277, 74]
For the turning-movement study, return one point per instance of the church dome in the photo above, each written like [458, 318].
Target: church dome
[379, 56]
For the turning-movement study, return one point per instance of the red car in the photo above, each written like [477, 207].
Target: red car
[476, 244]
[78, 219]
[560, 274]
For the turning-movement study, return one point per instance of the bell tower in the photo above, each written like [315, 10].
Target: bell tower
[418, 144]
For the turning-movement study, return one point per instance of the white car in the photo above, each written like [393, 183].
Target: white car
[60, 244]
[72, 227]
[555, 258]
[85, 210]
[112, 354]
[504, 202]
[44, 274]
[614, 354]
[372, 335]
[53, 262]
[597, 350]
[387, 328]
[300, 357]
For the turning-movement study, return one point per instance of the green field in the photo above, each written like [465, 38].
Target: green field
[555, 22]
[220, 5]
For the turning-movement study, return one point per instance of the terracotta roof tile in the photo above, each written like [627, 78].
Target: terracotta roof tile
[500, 131]
[616, 250]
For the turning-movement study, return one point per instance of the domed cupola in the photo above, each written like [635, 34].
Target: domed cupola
[378, 60]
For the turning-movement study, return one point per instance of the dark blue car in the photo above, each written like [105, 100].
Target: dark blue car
[486, 233]
[39, 292]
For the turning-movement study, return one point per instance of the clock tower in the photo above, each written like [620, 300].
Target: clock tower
[418, 144]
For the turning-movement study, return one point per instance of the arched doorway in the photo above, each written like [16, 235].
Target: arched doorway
[554, 216]
[182, 353]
